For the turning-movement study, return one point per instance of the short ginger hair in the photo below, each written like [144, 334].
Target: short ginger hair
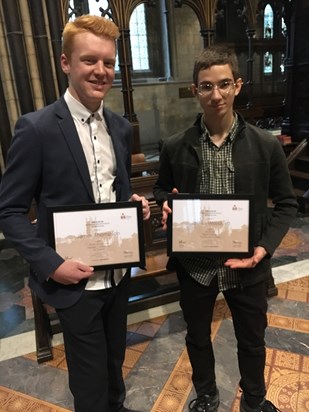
[97, 25]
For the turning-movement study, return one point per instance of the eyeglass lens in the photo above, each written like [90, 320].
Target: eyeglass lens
[223, 86]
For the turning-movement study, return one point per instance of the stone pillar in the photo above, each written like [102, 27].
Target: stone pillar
[296, 122]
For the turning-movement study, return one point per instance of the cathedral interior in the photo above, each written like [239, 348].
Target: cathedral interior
[158, 42]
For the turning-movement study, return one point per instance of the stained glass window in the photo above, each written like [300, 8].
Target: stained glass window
[138, 37]
[283, 27]
[268, 22]
[282, 64]
[268, 63]
[95, 5]
[138, 33]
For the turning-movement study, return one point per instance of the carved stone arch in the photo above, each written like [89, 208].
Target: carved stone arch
[206, 14]
[277, 6]
[120, 11]
[247, 10]
[251, 7]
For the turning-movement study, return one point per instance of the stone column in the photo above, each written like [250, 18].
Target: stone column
[296, 121]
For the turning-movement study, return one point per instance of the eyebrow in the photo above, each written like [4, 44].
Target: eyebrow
[222, 80]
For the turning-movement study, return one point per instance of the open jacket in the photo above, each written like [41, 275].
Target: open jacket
[260, 169]
[46, 162]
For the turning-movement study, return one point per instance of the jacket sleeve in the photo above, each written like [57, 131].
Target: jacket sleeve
[19, 185]
[281, 192]
[179, 168]
[164, 183]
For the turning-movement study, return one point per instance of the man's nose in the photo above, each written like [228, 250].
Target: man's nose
[215, 92]
[100, 68]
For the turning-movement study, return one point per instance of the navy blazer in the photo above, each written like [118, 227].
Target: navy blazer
[46, 162]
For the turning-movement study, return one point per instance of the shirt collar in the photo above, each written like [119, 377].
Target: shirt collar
[232, 131]
[79, 111]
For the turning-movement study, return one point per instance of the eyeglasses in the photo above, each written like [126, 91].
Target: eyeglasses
[207, 88]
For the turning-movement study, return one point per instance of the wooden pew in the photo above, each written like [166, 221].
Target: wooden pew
[143, 185]
[145, 168]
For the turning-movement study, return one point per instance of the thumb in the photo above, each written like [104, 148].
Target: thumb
[85, 268]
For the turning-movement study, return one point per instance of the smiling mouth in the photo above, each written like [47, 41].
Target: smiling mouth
[97, 83]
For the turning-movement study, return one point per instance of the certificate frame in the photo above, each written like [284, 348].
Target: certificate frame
[102, 235]
[210, 225]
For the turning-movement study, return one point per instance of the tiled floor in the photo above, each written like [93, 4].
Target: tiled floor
[156, 369]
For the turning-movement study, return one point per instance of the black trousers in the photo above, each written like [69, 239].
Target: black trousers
[248, 308]
[94, 332]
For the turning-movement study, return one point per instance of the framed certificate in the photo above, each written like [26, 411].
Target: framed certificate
[217, 225]
[105, 235]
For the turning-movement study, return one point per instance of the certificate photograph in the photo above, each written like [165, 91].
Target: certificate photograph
[210, 224]
[108, 235]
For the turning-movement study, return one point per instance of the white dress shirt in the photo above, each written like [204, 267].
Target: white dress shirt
[100, 156]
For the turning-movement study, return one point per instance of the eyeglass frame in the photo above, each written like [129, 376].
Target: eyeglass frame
[217, 86]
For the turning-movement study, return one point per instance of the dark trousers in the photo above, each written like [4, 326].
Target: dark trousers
[248, 308]
[94, 332]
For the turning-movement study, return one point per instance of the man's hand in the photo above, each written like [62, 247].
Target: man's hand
[258, 255]
[166, 210]
[71, 272]
[145, 205]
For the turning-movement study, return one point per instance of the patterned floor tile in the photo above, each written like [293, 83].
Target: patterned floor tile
[286, 373]
[12, 401]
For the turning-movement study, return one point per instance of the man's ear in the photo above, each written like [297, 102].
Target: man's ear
[65, 65]
[193, 89]
[238, 85]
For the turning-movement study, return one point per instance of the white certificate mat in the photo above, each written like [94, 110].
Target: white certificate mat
[210, 224]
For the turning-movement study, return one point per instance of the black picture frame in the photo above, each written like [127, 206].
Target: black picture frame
[102, 235]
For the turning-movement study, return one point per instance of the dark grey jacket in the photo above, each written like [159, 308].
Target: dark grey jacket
[260, 170]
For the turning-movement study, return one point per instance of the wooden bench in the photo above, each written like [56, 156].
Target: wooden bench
[143, 178]
[143, 185]
[144, 168]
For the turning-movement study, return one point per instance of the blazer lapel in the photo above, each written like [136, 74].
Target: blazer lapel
[69, 132]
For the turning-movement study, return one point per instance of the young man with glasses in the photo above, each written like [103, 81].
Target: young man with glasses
[221, 154]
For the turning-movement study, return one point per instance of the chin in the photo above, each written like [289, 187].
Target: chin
[97, 96]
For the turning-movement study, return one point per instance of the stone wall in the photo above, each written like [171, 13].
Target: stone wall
[159, 109]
